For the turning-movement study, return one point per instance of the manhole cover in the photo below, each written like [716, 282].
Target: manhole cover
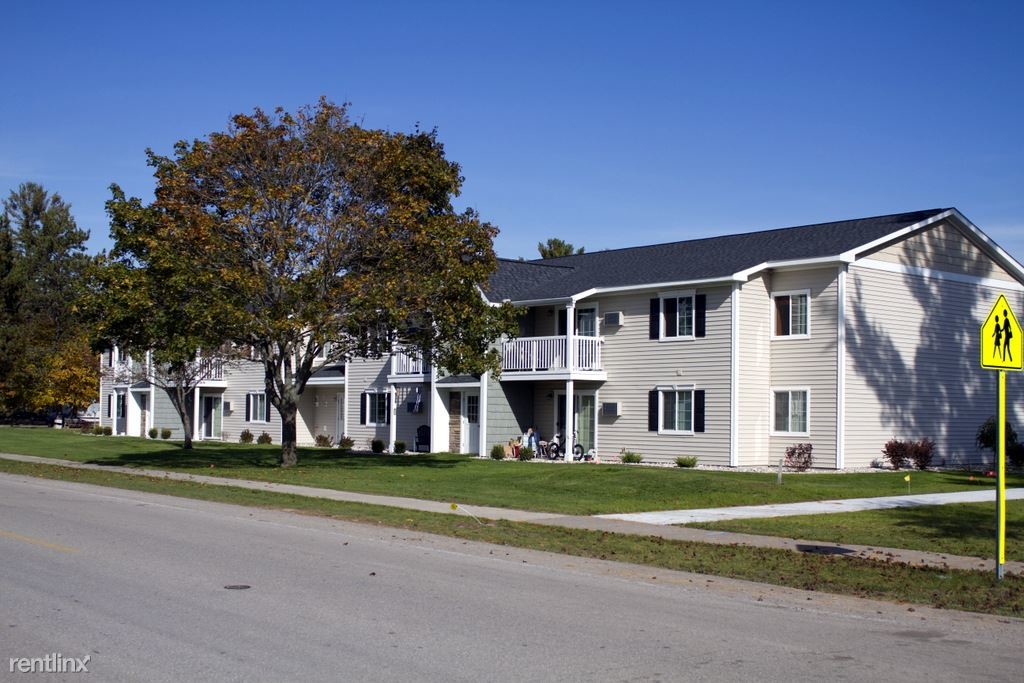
[237, 587]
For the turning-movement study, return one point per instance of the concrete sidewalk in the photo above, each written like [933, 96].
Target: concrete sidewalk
[819, 507]
[618, 524]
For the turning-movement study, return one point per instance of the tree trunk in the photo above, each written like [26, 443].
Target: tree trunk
[289, 456]
[183, 406]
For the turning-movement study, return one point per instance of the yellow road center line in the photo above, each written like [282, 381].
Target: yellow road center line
[37, 541]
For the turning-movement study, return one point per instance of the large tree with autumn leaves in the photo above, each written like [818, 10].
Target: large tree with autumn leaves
[300, 230]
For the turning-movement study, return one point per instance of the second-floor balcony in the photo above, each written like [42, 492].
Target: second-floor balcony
[407, 366]
[548, 356]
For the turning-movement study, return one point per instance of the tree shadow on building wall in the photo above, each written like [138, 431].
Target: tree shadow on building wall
[936, 387]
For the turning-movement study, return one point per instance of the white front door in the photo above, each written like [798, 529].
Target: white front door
[470, 423]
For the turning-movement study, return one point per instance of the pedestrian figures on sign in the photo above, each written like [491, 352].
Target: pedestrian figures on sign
[1002, 334]
[1007, 336]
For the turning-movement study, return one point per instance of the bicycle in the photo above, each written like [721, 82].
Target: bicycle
[555, 448]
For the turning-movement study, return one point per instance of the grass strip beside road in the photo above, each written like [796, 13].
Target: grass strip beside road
[577, 489]
[957, 529]
[972, 591]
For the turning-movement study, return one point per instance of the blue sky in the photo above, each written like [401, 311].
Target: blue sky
[605, 124]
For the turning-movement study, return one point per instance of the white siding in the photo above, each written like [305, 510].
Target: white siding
[913, 365]
[810, 362]
[243, 377]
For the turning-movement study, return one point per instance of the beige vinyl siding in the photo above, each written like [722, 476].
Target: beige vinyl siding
[912, 365]
[242, 378]
[942, 247]
[636, 365]
[808, 363]
[754, 349]
[407, 423]
[360, 376]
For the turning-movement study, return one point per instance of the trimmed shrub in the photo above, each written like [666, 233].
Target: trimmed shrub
[153, 432]
[165, 433]
[799, 456]
[895, 451]
[1015, 454]
[377, 446]
[400, 447]
[987, 434]
[345, 444]
[686, 461]
[323, 440]
[108, 430]
[264, 439]
[630, 458]
[497, 452]
[526, 453]
[97, 429]
[246, 436]
[921, 453]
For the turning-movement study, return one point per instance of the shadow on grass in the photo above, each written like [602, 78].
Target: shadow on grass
[268, 457]
[956, 521]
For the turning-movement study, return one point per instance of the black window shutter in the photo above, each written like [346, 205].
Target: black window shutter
[655, 318]
[387, 409]
[652, 410]
[267, 401]
[248, 406]
[700, 313]
[110, 401]
[362, 409]
[563, 317]
[671, 314]
[698, 410]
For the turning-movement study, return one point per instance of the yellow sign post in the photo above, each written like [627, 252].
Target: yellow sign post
[1002, 349]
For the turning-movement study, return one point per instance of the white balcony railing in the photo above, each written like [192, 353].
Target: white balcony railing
[210, 369]
[539, 354]
[403, 363]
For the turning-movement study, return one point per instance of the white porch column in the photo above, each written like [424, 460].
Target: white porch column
[483, 451]
[392, 418]
[196, 432]
[570, 336]
[567, 441]
[344, 407]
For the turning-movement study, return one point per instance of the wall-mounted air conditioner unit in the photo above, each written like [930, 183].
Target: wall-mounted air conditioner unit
[613, 318]
[611, 409]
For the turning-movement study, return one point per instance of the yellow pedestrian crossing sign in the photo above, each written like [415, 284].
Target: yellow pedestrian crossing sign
[1002, 344]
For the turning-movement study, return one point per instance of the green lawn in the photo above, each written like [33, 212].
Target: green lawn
[963, 529]
[581, 489]
[951, 589]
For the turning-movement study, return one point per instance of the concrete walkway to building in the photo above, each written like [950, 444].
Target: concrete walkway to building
[817, 507]
[626, 524]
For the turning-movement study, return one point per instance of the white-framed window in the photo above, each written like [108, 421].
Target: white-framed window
[376, 408]
[790, 411]
[256, 407]
[677, 315]
[675, 410]
[472, 408]
[791, 314]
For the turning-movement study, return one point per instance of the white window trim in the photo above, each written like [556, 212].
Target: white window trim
[771, 410]
[692, 293]
[790, 293]
[375, 391]
[597, 317]
[252, 405]
[661, 389]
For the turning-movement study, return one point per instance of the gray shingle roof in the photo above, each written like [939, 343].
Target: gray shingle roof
[699, 259]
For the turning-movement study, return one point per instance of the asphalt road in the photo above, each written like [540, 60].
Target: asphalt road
[137, 582]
